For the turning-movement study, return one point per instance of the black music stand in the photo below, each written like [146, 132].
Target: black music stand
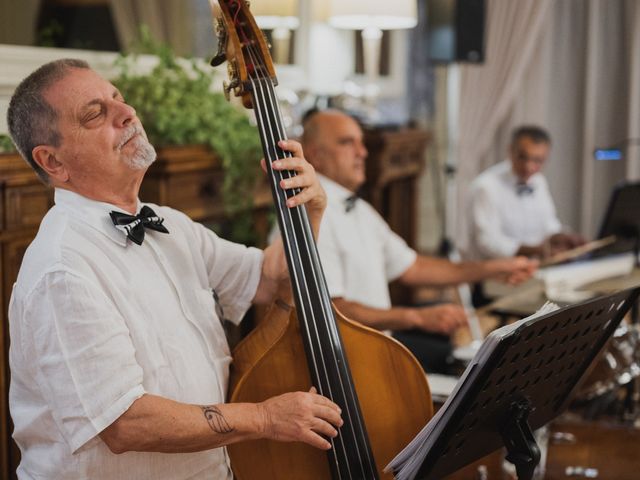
[522, 378]
[622, 219]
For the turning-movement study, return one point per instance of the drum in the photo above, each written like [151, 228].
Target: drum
[618, 364]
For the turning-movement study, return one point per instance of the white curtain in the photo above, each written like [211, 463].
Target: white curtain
[489, 90]
[168, 21]
[572, 66]
[18, 21]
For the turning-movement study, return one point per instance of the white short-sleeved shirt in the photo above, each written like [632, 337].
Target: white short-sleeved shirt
[360, 254]
[97, 321]
[499, 220]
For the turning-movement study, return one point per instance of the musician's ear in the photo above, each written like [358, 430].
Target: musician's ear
[313, 154]
[45, 157]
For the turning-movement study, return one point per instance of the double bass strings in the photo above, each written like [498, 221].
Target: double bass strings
[267, 130]
[317, 352]
[273, 152]
[263, 104]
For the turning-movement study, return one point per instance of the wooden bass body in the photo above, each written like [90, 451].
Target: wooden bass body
[391, 386]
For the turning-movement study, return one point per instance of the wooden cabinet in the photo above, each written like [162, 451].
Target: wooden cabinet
[396, 160]
[188, 179]
[23, 203]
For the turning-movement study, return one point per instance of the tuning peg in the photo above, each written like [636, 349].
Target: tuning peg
[218, 59]
[228, 86]
[221, 35]
[232, 69]
[219, 28]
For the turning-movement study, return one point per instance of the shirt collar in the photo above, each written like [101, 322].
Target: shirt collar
[91, 212]
[513, 180]
[336, 193]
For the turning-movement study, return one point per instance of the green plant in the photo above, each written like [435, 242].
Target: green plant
[177, 107]
[50, 34]
[6, 145]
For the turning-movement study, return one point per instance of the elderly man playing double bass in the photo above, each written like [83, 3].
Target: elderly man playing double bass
[119, 363]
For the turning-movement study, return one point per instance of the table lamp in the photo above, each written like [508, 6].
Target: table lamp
[281, 17]
[372, 16]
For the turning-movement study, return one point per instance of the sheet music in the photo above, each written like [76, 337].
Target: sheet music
[562, 281]
[407, 463]
[441, 386]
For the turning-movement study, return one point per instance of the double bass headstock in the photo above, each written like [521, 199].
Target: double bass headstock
[242, 44]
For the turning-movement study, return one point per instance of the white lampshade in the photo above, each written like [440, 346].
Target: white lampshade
[272, 14]
[381, 14]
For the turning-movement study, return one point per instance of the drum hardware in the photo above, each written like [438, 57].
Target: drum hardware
[562, 438]
[631, 401]
[607, 405]
[618, 366]
[584, 472]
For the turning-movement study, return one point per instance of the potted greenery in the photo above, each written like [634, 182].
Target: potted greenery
[177, 106]
[6, 145]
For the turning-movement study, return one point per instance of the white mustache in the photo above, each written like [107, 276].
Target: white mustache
[131, 131]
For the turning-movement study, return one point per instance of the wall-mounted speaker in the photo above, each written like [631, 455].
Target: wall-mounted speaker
[455, 30]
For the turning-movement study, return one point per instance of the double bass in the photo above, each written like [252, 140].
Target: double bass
[380, 387]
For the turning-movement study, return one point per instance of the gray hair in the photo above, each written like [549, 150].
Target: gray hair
[32, 120]
[535, 133]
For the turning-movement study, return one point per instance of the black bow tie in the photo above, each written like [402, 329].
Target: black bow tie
[350, 203]
[524, 189]
[134, 226]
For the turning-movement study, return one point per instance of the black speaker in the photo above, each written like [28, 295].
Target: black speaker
[455, 30]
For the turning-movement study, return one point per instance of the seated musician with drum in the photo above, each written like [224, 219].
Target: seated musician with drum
[510, 210]
[360, 254]
[117, 347]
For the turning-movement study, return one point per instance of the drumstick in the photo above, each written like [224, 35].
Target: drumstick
[576, 252]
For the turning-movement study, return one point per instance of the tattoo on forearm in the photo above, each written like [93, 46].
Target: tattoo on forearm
[216, 420]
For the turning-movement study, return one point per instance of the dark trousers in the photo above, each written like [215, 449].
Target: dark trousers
[478, 297]
[433, 351]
